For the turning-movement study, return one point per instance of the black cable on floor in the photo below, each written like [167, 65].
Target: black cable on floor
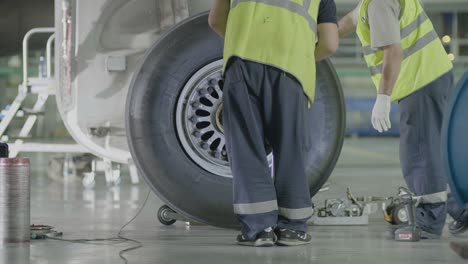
[119, 235]
[116, 240]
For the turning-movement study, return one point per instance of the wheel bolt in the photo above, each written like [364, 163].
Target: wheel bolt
[197, 134]
[193, 119]
[196, 105]
[212, 82]
[204, 146]
[211, 89]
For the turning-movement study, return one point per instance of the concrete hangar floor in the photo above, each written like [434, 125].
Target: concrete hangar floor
[100, 212]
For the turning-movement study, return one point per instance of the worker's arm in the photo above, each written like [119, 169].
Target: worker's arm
[219, 16]
[347, 25]
[384, 25]
[327, 30]
[328, 41]
[393, 56]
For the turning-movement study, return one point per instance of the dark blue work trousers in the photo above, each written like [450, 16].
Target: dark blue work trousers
[422, 115]
[265, 109]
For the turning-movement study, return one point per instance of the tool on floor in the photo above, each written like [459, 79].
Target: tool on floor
[350, 210]
[411, 232]
[395, 212]
[44, 232]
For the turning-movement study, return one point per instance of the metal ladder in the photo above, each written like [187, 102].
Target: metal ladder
[44, 87]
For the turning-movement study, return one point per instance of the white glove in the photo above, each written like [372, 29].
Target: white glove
[381, 113]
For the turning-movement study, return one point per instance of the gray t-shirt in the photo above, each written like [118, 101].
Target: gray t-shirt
[384, 22]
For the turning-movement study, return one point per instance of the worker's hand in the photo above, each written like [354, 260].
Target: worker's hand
[381, 113]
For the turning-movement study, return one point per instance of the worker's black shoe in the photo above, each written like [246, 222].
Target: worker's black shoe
[266, 238]
[292, 238]
[458, 227]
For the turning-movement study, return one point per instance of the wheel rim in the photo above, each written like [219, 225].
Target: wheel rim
[199, 120]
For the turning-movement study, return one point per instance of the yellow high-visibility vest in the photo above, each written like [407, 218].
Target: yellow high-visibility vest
[425, 58]
[279, 33]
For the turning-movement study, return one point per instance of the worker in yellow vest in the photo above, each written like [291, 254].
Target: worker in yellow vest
[409, 65]
[271, 48]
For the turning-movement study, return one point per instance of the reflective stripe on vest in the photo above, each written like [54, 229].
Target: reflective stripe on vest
[290, 6]
[405, 32]
[418, 45]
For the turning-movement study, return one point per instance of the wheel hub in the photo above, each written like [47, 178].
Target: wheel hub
[199, 120]
[219, 118]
